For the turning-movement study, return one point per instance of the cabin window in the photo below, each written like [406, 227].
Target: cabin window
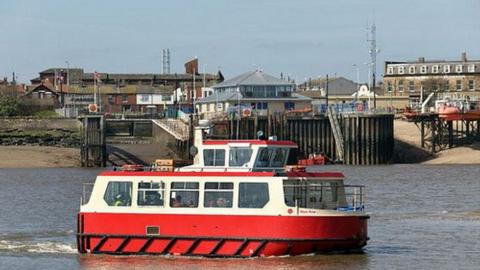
[118, 194]
[184, 194]
[218, 194]
[214, 157]
[271, 157]
[239, 156]
[279, 157]
[253, 195]
[150, 193]
[311, 194]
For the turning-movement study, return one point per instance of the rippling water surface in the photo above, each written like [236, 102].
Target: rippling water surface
[422, 217]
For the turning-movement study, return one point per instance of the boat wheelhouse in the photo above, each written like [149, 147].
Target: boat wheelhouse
[233, 202]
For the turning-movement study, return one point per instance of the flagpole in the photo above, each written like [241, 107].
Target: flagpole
[95, 88]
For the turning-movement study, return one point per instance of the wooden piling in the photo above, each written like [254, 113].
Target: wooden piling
[93, 151]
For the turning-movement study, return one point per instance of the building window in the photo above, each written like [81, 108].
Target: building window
[411, 86]
[262, 106]
[446, 69]
[184, 194]
[253, 195]
[239, 156]
[389, 86]
[471, 85]
[124, 98]
[390, 70]
[400, 86]
[435, 69]
[144, 98]
[214, 157]
[218, 194]
[150, 193]
[446, 86]
[423, 69]
[459, 85]
[289, 105]
[471, 68]
[118, 194]
[411, 70]
[458, 68]
[401, 70]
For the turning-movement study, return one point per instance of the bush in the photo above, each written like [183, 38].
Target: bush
[9, 106]
[46, 114]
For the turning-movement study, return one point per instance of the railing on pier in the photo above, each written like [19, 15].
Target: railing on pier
[337, 133]
[177, 128]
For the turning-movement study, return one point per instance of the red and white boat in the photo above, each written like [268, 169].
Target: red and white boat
[236, 200]
[458, 109]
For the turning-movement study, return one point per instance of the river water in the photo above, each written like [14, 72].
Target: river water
[422, 217]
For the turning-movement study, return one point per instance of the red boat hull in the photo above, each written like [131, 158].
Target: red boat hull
[219, 235]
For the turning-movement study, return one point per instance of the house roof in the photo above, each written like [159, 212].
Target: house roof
[338, 86]
[78, 74]
[229, 96]
[41, 87]
[255, 77]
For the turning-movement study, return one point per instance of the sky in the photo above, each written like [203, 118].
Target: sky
[302, 38]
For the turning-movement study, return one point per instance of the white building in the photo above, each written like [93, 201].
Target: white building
[253, 90]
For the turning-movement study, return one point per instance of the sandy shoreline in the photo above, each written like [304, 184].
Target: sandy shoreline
[407, 150]
[38, 157]
[408, 134]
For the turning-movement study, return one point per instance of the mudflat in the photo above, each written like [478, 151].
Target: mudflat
[38, 157]
[409, 133]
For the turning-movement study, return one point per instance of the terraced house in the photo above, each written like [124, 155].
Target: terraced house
[413, 78]
[119, 93]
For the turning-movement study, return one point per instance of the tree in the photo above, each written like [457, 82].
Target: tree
[9, 106]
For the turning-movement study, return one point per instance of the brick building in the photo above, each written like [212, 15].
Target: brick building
[414, 78]
[147, 93]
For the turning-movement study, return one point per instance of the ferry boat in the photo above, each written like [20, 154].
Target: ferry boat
[236, 200]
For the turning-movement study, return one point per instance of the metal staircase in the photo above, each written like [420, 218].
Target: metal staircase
[175, 127]
[337, 133]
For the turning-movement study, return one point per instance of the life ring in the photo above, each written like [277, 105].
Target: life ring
[247, 112]
[92, 108]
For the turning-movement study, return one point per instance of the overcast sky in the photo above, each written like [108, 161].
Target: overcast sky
[301, 38]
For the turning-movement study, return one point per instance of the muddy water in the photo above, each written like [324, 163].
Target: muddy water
[422, 217]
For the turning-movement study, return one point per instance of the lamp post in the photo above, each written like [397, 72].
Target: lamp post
[358, 79]
[72, 98]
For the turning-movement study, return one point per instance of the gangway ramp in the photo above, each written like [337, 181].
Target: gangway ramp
[337, 133]
[175, 127]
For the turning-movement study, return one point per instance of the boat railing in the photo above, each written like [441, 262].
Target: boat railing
[325, 196]
[355, 198]
[86, 193]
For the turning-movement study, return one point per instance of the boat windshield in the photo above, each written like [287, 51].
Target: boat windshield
[239, 156]
[271, 157]
[314, 194]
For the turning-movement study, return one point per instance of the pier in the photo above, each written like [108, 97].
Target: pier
[362, 139]
[437, 134]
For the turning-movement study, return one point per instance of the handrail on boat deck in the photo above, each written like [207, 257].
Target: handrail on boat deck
[354, 196]
[87, 188]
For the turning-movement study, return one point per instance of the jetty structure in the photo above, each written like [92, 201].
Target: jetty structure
[443, 98]
[255, 103]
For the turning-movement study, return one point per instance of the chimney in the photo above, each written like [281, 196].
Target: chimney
[464, 57]
[421, 59]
